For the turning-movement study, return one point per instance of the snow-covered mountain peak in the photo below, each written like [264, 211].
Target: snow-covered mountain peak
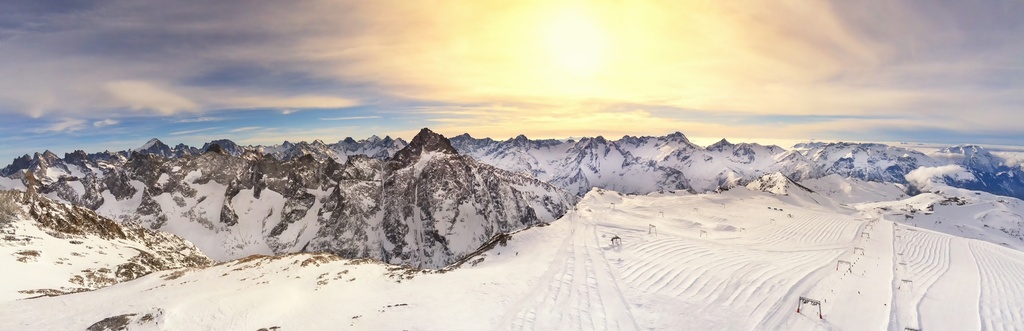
[810, 145]
[775, 183]
[965, 150]
[678, 137]
[972, 156]
[520, 141]
[721, 145]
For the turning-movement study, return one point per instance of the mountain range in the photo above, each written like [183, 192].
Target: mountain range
[422, 205]
[431, 201]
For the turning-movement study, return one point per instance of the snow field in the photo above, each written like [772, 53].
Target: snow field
[717, 261]
[1001, 303]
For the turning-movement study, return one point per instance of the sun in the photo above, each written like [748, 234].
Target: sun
[576, 44]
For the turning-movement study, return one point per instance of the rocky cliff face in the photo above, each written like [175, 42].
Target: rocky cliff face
[425, 206]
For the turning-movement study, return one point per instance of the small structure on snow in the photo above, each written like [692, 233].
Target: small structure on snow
[616, 241]
[805, 300]
[858, 249]
[849, 265]
[703, 233]
[651, 229]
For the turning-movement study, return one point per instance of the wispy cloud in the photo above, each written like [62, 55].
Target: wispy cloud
[348, 118]
[247, 128]
[200, 119]
[106, 122]
[179, 133]
[143, 95]
[66, 125]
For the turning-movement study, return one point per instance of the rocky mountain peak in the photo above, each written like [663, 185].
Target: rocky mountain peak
[155, 147]
[20, 163]
[213, 148]
[226, 146]
[425, 141]
[76, 157]
[150, 144]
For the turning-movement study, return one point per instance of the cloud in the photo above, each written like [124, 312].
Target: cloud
[106, 122]
[926, 176]
[140, 95]
[349, 118]
[955, 65]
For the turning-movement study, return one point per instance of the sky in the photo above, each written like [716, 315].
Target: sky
[111, 74]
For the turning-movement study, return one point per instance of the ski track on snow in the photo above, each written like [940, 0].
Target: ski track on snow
[580, 294]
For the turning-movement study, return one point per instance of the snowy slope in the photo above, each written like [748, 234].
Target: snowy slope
[48, 248]
[735, 260]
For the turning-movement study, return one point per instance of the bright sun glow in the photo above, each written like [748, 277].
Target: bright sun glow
[577, 45]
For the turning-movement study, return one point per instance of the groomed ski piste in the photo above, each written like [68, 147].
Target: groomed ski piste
[738, 260]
